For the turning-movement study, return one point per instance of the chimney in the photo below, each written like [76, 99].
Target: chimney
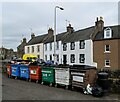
[24, 40]
[32, 35]
[70, 29]
[99, 24]
[50, 31]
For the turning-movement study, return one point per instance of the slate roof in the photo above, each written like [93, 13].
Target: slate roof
[58, 38]
[82, 34]
[37, 39]
[115, 33]
[21, 46]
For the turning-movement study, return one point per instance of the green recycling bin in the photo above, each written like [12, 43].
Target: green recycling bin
[48, 75]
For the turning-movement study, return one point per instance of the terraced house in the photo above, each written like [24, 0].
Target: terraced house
[106, 48]
[95, 46]
[35, 45]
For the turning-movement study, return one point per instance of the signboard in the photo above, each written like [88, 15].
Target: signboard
[33, 71]
[78, 78]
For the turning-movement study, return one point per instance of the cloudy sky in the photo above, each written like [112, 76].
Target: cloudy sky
[19, 17]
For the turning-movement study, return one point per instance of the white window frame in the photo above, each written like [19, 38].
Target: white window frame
[82, 46]
[46, 57]
[33, 49]
[106, 62]
[28, 49]
[57, 45]
[64, 46]
[51, 46]
[45, 47]
[80, 59]
[72, 46]
[109, 31]
[57, 57]
[38, 48]
[72, 60]
[106, 48]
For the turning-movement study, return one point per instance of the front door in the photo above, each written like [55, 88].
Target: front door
[64, 59]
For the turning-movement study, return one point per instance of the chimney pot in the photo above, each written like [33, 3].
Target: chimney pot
[70, 29]
[32, 35]
[50, 31]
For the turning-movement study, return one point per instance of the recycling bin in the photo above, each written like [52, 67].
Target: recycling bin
[35, 73]
[103, 80]
[15, 70]
[24, 72]
[8, 70]
[62, 76]
[48, 75]
[82, 75]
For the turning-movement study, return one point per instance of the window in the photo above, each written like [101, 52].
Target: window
[50, 46]
[82, 44]
[57, 58]
[32, 49]
[28, 49]
[38, 48]
[45, 47]
[107, 63]
[72, 58]
[72, 46]
[107, 48]
[107, 33]
[50, 57]
[82, 58]
[64, 46]
[57, 45]
[46, 57]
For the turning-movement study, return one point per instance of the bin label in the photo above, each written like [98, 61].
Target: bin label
[78, 78]
[23, 71]
[13, 70]
[33, 71]
[46, 71]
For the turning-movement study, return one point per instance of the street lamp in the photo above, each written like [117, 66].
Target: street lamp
[55, 32]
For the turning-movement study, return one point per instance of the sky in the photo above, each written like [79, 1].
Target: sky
[19, 18]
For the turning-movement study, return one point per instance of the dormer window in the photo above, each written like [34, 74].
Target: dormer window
[107, 33]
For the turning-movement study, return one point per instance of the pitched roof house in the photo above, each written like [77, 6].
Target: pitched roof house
[106, 48]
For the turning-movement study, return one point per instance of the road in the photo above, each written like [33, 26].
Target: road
[22, 90]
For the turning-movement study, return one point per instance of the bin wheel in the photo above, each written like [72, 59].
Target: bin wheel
[55, 85]
[15, 77]
[42, 83]
[29, 80]
[37, 81]
[66, 87]
[50, 84]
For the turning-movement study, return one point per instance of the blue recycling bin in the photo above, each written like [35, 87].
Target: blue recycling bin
[24, 71]
[15, 70]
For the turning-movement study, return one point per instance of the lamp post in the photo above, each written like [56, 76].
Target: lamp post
[55, 32]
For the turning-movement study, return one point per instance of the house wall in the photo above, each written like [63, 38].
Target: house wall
[40, 53]
[100, 55]
[49, 52]
[88, 51]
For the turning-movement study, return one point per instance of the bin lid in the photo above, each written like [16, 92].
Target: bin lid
[81, 67]
[103, 73]
[62, 66]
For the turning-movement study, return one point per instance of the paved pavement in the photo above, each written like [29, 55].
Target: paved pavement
[22, 90]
